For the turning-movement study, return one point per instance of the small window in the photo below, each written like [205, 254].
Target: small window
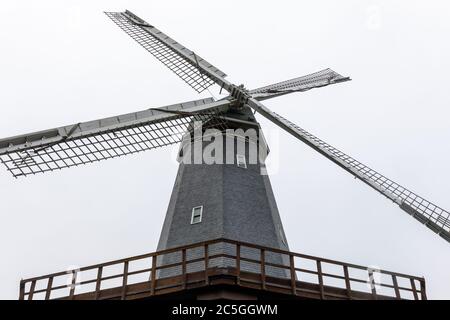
[240, 159]
[197, 215]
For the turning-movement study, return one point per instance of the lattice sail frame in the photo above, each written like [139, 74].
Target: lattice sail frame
[314, 80]
[429, 214]
[182, 61]
[107, 138]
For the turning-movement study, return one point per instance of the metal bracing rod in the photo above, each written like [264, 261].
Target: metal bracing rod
[427, 213]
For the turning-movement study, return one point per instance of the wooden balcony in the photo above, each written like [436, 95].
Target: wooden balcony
[140, 277]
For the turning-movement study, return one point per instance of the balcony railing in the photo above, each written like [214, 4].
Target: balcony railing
[143, 276]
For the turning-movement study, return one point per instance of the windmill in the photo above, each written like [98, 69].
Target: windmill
[209, 201]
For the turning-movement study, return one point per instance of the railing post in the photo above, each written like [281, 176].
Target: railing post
[413, 287]
[423, 292]
[49, 288]
[183, 267]
[153, 274]
[98, 282]
[124, 280]
[31, 292]
[292, 271]
[372, 284]
[347, 282]
[263, 269]
[238, 264]
[206, 264]
[320, 278]
[22, 290]
[396, 289]
[73, 284]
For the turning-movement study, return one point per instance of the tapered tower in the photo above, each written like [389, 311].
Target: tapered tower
[222, 191]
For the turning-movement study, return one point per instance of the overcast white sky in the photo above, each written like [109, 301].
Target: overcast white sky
[62, 62]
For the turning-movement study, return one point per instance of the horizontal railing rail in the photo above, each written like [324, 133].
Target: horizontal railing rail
[345, 280]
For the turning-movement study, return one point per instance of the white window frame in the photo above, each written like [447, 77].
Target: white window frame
[241, 161]
[201, 214]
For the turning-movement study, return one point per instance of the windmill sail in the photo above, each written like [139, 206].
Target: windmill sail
[427, 213]
[101, 139]
[106, 138]
[314, 80]
[192, 69]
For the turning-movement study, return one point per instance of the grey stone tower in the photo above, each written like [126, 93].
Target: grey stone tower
[231, 199]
